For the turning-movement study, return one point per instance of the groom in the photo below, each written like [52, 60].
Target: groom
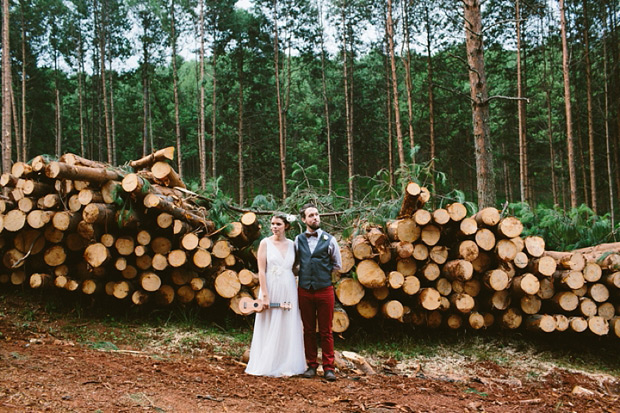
[318, 254]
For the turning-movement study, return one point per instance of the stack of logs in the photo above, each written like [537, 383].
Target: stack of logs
[135, 233]
[139, 235]
[446, 268]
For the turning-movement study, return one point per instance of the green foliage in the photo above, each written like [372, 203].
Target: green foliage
[564, 230]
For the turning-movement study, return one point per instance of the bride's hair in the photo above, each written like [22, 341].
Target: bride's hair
[283, 217]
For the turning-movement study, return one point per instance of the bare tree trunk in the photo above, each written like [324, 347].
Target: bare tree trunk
[408, 81]
[390, 37]
[547, 87]
[282, 138]
[22, 151]
[145, 114]
[388, 101]
[6, 89]
[572, 175]
[330, 170]
[240, 135]
[214, 117]
[523, 173]
[58, 120]
[113, 123]
[431, 97]
[347, 104]
[594, 203]
[175, 87]
[202, 155]
[80, 93]
[480, 104]
[102, 54]
[607, 137]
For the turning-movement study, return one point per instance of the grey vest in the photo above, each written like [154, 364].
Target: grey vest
[315, 269]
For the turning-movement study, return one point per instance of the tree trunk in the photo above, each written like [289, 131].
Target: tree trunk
[175, 81]
[202, 155]
[240, 147]
[102, 54]
[547, 86]
[591, 147]
[523, 173]
[431, 97]
[399, 131]
[348, 106]
[480, 103]
[572, 175]
[282, 138]
[6, 90]
[330, 170]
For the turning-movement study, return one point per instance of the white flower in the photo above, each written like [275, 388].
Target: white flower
[291, 218]
[325, 237]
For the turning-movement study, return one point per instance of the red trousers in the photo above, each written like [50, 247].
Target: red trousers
[318, 305]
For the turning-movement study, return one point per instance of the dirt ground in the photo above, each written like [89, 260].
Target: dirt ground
[42, 370]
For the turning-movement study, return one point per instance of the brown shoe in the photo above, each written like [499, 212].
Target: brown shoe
[330, 375]
[310, 373]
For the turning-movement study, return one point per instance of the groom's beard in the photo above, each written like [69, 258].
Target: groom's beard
[314, 226]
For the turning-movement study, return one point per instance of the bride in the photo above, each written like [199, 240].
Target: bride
[277, 344]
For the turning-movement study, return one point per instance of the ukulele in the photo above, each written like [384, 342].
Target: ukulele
[248, 306]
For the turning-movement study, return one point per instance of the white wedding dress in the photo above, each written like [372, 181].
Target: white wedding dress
[277, 344]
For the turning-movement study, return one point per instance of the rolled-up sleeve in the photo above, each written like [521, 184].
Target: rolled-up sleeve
[334, 253]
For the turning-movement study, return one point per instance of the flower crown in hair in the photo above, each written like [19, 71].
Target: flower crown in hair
[290, 217]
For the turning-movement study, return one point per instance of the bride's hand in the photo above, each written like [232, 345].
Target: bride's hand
[264, 303]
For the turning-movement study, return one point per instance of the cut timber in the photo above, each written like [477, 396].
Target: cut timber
[177, 258]
[430, 235]
[406, 266]
[135, 183]
[21, 169]
[247, 278]
[565, 300]
[569, 261]
[205, 297]
[163, 204]
[60, 170]
[411, 285]
[572, 280]
[221, 249]
[510, 227]
[505, 250]
[606, 310]
[236, 235]
[420, 251]
[96, 254]
[165, 295]
[458, 270]
[25, 204]
[468, 250]
[519, 243]
[8, 180]
[410, 200]
[227, 284]
[512, 318]
[592, 272]
[612, 280]
[161, 245]
[139, 297]
[149, 281]
[159, 262]
[488, 217]
[462, 302]
[186, 294]
[403, 230]
[99, 213]
[395, 280]
[430, 271]
[521, 260]
[392, 309]
[125, 245]
[496, 280]
[615, 326]
[561, 322]
[40, 280]
[340, 320]
[349, 291]
[541, 322]
[534, 245]
[526, 284]
[439, 254]
[443, 286]
[457, 211]
[587, 307]
[367, 308]
[72, 159]
[29, 241]
[578, 324]
[157, 156]
[14, 220]
[500, 300]
[422, 217]
[402, 249]
[467, 227]
[143, 237]
[370, 275]
[441, 216]
[110, 190]
[598, 325]
[39, 218]
[55, 255]
[361, 247]
[347, 258]
[121, 289]
[162, 171]
[544, 266]
[429, 298]
[485, 238]
[90, 286]
[189, 241]
[201, 258]
[475, 320]
[530, 304]
[599, 292]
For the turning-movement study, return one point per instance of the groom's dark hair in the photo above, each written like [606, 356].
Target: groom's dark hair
[302, 211]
